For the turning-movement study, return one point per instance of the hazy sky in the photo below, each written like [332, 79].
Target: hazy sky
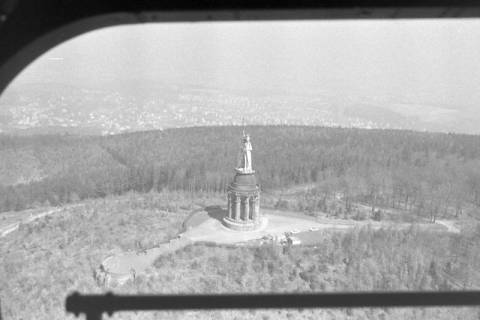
[435, 60]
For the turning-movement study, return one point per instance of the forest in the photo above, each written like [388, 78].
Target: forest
[429, 174]
[47, 259]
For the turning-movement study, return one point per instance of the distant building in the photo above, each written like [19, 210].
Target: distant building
[243, 193]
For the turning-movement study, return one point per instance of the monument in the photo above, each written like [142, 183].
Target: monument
[243, 194]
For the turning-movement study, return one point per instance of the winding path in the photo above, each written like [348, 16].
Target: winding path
[14, 226]
[449, 224]
[23, 218]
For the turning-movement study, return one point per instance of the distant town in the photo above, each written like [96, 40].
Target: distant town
[92, 111]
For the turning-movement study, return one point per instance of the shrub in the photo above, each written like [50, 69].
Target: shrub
[377, 215]
[282, 204]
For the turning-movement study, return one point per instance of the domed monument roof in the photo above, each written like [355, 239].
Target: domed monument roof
[244, 182]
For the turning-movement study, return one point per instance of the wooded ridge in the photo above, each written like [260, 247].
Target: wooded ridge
[427, 173]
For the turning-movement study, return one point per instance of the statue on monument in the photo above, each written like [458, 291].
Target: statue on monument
[245, 163]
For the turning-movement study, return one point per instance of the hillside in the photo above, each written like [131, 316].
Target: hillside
[429, 174]
[50, 257]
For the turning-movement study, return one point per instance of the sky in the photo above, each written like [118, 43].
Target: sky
[433, 61]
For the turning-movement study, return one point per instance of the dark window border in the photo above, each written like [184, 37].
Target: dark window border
[30, 28]
[93, 306]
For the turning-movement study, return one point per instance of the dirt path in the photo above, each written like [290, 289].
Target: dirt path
[139, 261]
[14, 226]
[449, 224]
[28, 217]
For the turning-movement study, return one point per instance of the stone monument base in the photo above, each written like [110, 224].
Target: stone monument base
[248, 225]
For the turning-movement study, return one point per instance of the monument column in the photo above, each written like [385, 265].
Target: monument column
[246, 214]
[254, 208]
[237, 208]
[229, 206]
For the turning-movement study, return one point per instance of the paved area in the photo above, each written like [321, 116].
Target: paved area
[213, 230]
[131, 261]
[275, 223]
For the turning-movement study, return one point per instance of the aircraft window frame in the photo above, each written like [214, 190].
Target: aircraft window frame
[28, 30]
